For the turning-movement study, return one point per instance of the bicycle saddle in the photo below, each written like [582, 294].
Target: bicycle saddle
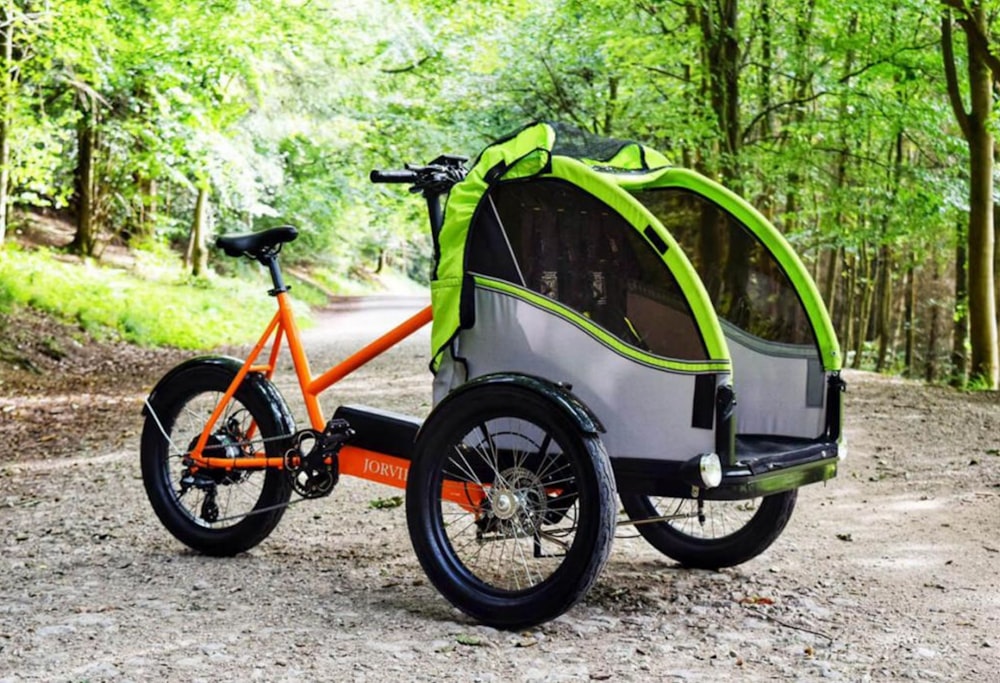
[257, 244]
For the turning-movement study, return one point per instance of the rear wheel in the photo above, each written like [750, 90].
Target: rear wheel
[724, 533]
[509, 506]
[215, 511]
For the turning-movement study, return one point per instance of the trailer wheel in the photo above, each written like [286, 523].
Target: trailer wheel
[728, 532]
[509, 506]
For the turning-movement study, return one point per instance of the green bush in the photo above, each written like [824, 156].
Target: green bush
[154, 304]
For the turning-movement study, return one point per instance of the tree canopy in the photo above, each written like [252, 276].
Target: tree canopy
[845, 122]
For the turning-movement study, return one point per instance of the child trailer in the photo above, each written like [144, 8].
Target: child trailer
[602, 323]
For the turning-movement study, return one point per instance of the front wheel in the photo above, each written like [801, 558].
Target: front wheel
[509, 506]
[215, 511]
[722, 533]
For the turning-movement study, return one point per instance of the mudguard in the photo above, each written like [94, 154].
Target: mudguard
[560, 395]
[256, 381]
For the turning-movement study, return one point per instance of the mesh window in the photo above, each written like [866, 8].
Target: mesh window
[556, 239]
[579, 144]
[747, 285]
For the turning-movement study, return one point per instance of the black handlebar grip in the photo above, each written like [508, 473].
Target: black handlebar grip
[393, 176]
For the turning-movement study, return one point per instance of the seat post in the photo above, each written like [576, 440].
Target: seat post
[271, 261]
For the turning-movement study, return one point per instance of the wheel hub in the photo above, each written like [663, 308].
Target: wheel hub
[519, 495]
[505, 504]
[219, 445]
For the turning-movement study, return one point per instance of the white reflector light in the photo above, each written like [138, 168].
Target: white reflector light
[710, 469]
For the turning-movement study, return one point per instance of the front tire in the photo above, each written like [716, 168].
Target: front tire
[727, 533]
[216, 512]
[532, 523]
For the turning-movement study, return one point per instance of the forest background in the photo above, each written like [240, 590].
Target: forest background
[864, 131]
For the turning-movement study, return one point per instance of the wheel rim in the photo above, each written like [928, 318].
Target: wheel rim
[515, 533]
[718, 519]
[213, 499]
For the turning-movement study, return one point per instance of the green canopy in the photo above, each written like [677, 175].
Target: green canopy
[652, 290]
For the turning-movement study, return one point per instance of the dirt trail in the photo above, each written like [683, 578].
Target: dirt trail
[888, 572]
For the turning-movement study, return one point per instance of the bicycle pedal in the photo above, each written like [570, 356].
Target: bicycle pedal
[336, 432]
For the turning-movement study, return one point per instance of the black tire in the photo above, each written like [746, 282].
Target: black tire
[732, 532]
[539, 539]
[209, 512]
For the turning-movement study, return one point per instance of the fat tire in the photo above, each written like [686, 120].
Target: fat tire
[165, 403]
[594, 508]
[743, 544]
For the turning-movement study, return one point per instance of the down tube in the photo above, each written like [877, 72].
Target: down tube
[393, 471]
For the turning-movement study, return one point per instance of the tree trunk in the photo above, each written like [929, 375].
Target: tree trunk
[199, 229]
[803, 80]
[976, 128]
[833, 259]
[885, 329]
[151, 206]
[883, 319]
[721, 60]
[849, 309]
[960, 328]
[863, 318]
[766, 57]
[985, 363]
[142, 225]
[838, 255]
[610, 106]
[869, 302]
[765, 200]
[86, 138]
[7, 115]
[934, 316]
[909, 322]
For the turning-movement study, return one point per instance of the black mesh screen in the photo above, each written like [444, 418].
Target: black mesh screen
[747, 285]
[556, 239]
[579, 144]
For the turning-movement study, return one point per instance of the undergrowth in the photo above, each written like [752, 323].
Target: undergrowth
[152, 304]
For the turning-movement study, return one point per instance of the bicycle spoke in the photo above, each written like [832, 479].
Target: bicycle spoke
[504, 543]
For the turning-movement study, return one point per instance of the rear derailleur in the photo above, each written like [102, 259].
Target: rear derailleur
[312, 464]
[227, 442]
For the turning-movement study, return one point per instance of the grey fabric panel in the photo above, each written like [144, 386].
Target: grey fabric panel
[647, 411]
[815, 384]
[772, 391]
[451, 373]
[766, 347]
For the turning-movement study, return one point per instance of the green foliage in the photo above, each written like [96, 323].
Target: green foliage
[159, 308]
[385, 503]
[845, 138]
[284, 107]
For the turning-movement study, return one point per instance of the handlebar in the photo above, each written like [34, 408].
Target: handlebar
[406, 176]
[433, 181]
[436, 178]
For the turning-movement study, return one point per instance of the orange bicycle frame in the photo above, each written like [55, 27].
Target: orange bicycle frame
[354, 461]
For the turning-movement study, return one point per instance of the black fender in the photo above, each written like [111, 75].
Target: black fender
[559, 395]
[256, 382]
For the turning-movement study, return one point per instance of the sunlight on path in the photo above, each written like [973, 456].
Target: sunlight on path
[363, 319]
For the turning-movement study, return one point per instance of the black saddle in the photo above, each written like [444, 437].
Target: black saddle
[257, 245]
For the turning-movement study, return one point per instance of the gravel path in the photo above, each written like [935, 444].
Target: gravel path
[888, 572]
